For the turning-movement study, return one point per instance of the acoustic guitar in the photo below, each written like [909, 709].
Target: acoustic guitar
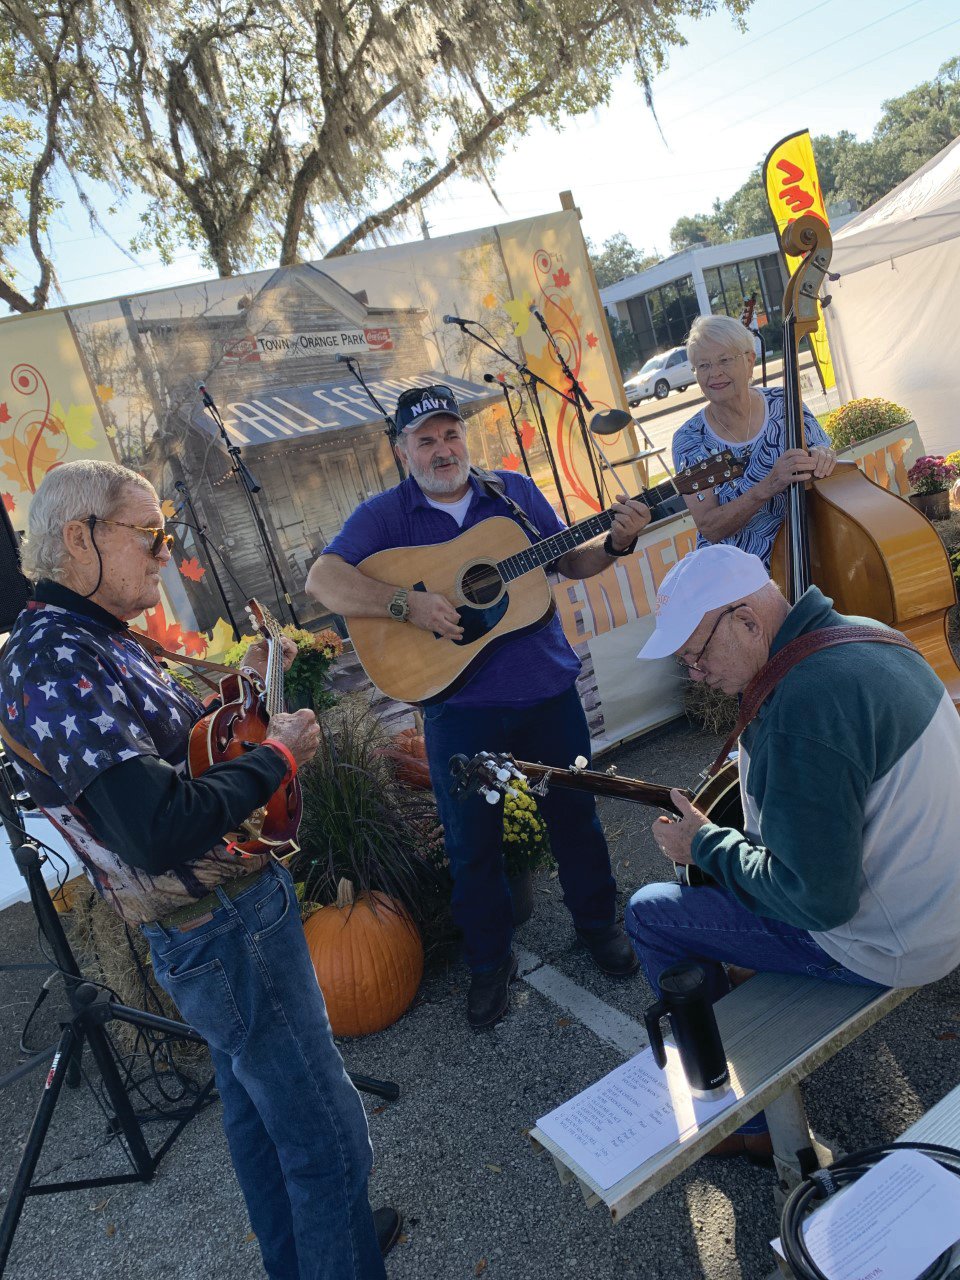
[492, 775]
[477, 572]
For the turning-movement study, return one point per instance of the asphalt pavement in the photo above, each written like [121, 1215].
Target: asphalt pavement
[452, 1152]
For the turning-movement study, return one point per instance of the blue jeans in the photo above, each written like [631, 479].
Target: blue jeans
[294, 1122]
[551, 732]
[669, 923]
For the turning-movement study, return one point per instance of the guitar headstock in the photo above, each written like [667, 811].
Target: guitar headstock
[488, 773]
[749, 307]
[717, 469]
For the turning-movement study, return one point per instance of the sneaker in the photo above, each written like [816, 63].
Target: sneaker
[610, 950]
[489, 994]
[388, 1224]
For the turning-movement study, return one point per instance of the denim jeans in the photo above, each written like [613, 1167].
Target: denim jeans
[550, 732]
[668, 923]
[294, 1122]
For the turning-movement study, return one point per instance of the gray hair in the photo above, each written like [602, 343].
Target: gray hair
[72, 491]
[723, 331]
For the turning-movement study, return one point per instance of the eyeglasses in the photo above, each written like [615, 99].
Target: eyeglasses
[724, 364]
[160, 536]
[695, 664]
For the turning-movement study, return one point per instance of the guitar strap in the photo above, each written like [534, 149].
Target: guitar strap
[493, 486]
[772, 672]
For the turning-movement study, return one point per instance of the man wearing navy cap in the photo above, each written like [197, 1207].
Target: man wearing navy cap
[523, 699]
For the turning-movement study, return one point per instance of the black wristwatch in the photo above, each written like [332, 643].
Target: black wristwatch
[399, 606]
[611, 550]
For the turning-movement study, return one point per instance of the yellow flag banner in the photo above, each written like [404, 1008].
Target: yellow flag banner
[793, 187]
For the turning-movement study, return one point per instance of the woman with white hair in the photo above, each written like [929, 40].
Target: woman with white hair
[751, 423]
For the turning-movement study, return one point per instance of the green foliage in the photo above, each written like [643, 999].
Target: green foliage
[358, 821]
[911, 130]
[617, 259]
[526, 845]
[625, 345]
[860, 419]
[306, 683]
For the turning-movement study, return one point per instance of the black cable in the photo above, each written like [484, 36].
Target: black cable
[823, 1183]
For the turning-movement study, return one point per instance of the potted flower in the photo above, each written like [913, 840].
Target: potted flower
[863, 419]
[306, 683]
[931, 477]
[526, 847]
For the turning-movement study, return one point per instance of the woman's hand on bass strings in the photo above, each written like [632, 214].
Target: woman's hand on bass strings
[674, 836]
[298, 731]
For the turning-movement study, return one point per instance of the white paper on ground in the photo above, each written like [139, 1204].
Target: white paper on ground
[888, 1225]
[629, 1115]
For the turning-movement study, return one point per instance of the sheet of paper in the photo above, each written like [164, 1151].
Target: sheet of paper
[888, 1225]
[629, 1116]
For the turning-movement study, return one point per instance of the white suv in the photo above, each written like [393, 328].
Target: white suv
[669, 371]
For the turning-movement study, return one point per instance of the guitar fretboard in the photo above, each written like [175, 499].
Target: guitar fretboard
[552, 548]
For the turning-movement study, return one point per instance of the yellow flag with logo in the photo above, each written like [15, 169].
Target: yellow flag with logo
[793, 187]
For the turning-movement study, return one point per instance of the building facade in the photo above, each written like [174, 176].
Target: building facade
[661, 303]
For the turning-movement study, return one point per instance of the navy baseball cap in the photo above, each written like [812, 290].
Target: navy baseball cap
[416, 406]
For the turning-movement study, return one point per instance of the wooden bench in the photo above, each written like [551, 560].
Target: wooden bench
[776, 1029]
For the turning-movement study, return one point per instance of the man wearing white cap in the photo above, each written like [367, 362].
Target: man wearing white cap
[847, 868]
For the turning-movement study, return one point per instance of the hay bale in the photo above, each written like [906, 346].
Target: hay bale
[116, 954]
[710, 709]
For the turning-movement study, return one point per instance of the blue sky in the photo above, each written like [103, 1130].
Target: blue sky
[722, 102]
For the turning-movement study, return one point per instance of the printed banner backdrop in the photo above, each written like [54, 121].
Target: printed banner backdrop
[793, 187]
[119, 379]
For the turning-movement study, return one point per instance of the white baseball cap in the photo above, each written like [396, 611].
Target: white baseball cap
[703, 580]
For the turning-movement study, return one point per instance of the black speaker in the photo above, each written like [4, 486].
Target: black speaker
[14, 587]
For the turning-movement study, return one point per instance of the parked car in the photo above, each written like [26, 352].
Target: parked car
[669, 371]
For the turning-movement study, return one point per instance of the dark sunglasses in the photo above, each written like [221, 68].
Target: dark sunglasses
[160, 536]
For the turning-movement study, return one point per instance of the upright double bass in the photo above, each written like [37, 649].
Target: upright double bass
[872, 552]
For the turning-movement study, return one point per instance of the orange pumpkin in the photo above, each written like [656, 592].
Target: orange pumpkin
[408, 751]
[368, 959]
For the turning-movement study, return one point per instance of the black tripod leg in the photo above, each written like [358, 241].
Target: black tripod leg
[67, 1047]
[126, 1120]
[382, 1088]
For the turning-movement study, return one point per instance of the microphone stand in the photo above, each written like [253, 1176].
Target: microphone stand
[390, 431]
[580, 403]
[530, 382]
[513, 419]
[250, 486]
[200, 530]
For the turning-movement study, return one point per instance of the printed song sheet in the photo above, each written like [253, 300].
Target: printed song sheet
[888, 1225]
[629, 1116]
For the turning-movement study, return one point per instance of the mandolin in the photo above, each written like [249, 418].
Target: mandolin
[238, 725]
[491, 776]
[494, 576]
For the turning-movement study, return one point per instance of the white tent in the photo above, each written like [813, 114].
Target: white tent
[892, 319]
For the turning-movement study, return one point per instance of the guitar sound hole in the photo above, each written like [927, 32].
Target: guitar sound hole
[481, 584]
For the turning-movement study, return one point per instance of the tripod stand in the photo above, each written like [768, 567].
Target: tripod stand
[91, 1009]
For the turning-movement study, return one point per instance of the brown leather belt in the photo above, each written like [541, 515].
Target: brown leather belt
[205, 906]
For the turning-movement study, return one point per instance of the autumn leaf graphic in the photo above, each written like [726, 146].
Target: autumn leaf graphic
[526, 433]
[192, 569]
[510, 462]
[592, 340]
[8, 502]
[4, 413]
[561, 278]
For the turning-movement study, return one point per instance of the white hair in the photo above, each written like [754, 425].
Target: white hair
[722, 331]
[73, 491]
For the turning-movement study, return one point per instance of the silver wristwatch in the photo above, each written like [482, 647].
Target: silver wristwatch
[399, 606]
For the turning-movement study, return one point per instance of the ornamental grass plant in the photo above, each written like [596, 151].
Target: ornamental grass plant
[861, 419]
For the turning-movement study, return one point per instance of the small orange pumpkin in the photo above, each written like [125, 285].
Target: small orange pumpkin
[408, 751]
[368, 959]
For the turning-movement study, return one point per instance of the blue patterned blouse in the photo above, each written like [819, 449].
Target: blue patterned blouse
[695, 440]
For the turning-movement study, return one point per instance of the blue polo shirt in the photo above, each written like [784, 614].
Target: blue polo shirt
[526, 669]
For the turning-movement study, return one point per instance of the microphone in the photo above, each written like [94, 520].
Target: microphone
[342, 359]
[179, 485]
[501, 382]
[457, 320]
[205, 396]
[534, 312]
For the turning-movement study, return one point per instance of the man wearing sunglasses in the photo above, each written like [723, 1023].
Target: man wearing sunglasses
[523, 699]
[99, 733]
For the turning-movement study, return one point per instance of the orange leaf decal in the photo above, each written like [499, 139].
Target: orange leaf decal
[166, 633]
[510, 462]
[561, 278]
[526, 433]
[194, 643]
[592, 340]
[4, 413]
[192, 569]
[8, 502]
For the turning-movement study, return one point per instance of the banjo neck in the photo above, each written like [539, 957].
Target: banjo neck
[603, 784]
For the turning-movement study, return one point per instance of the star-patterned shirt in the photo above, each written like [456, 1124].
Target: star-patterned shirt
[79, 692]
